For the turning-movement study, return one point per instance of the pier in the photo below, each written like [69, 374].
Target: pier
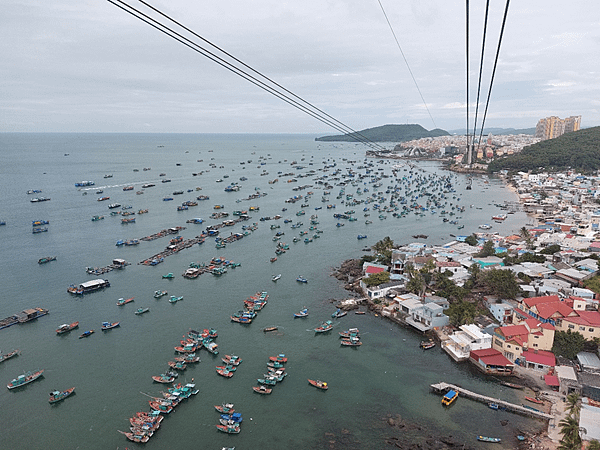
[443, 387]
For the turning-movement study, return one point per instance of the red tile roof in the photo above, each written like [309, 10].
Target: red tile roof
[548, 310]
[540, 357]
[490, 357]
[536, 300]
[551, 380]
[373, 269]
[586, 318]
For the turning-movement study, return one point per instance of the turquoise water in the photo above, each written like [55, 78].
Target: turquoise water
[112, 371]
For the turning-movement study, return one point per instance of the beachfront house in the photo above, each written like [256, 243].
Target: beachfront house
[514, 340]
[537, 359]
[428, 316]
[470, 337]
[491, 362]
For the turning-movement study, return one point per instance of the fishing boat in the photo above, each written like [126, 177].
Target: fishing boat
[281, 358]
[163, 378]
[109, 325]
[168, 276]
[262, 389]
[339, 313]
[57, 396]
[512, 385]
[65, 327]
[270, 381]
[231, 429]
[159, 294]
[267, 329]
[301, 279]
[276, 277]
[86, 334]
[177, 365]
[141, 311]
[137, 437]
[534, 400]
[303, 313]
[226, 408]
[232, 360]
[123, 301]
[174, 299]
[325, 326]
[489, 439]
[24, 379]
[426, 345]
[228, 367]
[351, 342]
[352, 332]
[188, 358]
[449, 398]
[319, 384]
[46, 259]
[225, 373]
[485, 226]
[9, 355]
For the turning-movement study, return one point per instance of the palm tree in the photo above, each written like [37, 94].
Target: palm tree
[573, 404]
[569, 428]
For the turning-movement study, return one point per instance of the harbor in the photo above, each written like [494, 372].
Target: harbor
[388, 374]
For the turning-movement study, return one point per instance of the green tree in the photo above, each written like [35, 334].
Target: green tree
[573, 404]
[375, 279]
[486, 250]
[568, 344]
[471, 240]
[569, 428]
[500, 282]
[550, 250]
[593, 284]
[594, 445]
[416, 285]
[461, 313]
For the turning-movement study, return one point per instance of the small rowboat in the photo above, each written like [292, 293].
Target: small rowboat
[9, 355]
[319, 384]
[426, 345]
[262, 390]
[534, 400]
[512, 385]
[267, 329]
[57, 396]
[488, 439]
[86, 334]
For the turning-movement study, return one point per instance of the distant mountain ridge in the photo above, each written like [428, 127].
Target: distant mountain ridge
[387, 133]
[579, 150]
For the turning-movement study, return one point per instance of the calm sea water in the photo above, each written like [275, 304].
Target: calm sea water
[112, 371]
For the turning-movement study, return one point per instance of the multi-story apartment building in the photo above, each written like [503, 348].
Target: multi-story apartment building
[552, 127]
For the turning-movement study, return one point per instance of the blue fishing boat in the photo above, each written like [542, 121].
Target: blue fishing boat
[301, 279]
[303, 313]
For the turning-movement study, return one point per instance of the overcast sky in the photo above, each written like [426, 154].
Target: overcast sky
[88, 66]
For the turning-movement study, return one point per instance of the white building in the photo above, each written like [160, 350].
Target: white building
[461, 343]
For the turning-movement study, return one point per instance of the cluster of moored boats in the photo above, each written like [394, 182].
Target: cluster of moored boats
[275, 374]
[252, 305]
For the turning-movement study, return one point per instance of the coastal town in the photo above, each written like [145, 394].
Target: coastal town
[518, 307]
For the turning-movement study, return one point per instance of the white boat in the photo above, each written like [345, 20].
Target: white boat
[485, 226]
[276, 277]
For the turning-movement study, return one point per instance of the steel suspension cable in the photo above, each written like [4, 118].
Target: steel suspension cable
[487, 8]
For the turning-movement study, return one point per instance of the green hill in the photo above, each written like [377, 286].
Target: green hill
[579, 150]
[386, 133]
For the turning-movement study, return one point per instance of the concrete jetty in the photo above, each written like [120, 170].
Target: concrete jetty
[443, 387]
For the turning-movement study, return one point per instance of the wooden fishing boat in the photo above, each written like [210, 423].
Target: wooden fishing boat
[86, 334]
[339, 313]
[301, 279]
[534, 400]
[319, 384]
[281, 358]
[169, 276]
[270, 381]
[426, 345]
[512, 385]
[351, 342]
[275, 365]
[351, 332]
[225, 373]
[262, 389]
[489, 439]
[226, 408]
[303, 313]
[174, 299]
[109, 325]
[324, 327]
[159, 294]
[177, 365]
[359, 313]
[46, 259]
[141, 311]
[65, 328]
[9, 355]
[227, 368]
[57, 396]
[123, 301]
[232, 359]
[24, 379]
[188, 358]
[267, 329]
[163, 378]
[231, 429]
